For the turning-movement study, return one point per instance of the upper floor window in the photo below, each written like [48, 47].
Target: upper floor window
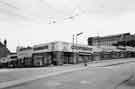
[23, 49]
[41, 48]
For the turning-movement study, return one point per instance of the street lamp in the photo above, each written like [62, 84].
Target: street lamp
[98, 40]
[77, 38]
[75, 45]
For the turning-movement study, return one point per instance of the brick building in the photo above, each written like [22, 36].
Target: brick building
[3, 49]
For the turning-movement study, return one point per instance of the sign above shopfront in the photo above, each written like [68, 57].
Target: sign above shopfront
[81, 48]
[62, 46]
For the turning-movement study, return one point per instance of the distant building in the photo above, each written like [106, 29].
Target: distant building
[23, 52]
[125, 39]
[24, 56]
[59, 53]
[56, 53]
[3, 50]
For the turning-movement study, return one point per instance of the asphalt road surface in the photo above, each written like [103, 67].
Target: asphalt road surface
[90, 78]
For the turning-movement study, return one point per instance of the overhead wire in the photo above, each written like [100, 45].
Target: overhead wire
[72, 17]
[16, 9]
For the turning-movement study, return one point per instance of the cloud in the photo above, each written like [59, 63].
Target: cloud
[59, 9]
[102, 7]
[26, 10]
[107, 6]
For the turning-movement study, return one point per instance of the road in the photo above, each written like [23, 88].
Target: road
[21, 73]
[90, 78]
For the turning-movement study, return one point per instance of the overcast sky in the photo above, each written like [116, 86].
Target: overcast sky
[25, 22]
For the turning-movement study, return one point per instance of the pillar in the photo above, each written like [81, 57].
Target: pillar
[74, 60]
[59, 58]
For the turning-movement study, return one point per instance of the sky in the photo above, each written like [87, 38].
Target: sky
[30, 22]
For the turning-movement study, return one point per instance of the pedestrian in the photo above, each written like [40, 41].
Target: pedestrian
[85, 64]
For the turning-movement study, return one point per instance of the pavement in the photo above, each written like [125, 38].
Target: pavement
[18, 76]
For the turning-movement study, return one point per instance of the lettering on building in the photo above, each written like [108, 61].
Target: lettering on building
[81, 48]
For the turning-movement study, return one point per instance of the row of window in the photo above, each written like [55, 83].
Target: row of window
[41, 48]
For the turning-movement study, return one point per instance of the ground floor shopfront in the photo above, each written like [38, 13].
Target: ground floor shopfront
[59, 58]
[112, 55]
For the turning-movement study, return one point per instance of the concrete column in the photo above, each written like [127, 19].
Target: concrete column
[96, 57]
[74, 58]
[59, 58]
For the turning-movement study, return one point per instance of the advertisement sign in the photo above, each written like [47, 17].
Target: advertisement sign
[69, 47]
[24, 53]
[81, 48]
[62, 46]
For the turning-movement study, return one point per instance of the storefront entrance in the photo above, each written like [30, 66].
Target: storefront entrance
[38, 61]
[68, 58]
[42, 59]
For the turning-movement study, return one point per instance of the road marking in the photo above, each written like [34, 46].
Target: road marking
[5, 70]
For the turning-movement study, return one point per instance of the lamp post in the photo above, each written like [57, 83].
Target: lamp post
[75, 46]
[77, 36]
[98, 40]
